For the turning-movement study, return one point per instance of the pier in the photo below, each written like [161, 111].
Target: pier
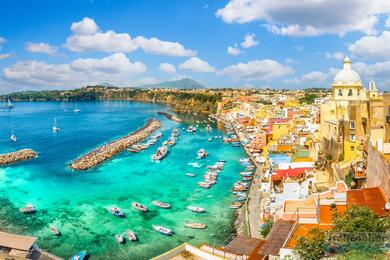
[170, 116]
[14, 157]
[111, 149]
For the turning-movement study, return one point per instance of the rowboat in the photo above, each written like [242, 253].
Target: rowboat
[116, 212]
[163, 230]
[55, 231]
[160, 154]
[79, 256]
[195, 225]
[190, 174]
[139, 206]
[204, 185]
[196, 209]
[119, 238]
[28, 209]
[161, 204]
[131, 236]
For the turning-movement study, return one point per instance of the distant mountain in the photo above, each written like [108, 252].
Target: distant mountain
[185, 83]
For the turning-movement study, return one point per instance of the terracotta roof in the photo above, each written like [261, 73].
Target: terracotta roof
[16, 241]
[241, 245]
[276, 238]
[326, 213]
[373, 198]
[301, 231]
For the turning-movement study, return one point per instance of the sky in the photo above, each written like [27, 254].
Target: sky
[287, 44]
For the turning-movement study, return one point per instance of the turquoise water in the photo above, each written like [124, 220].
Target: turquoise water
[76, 202]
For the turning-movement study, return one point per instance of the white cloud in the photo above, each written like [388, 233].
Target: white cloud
[233, 51]
[2, 40]
[256, 70]
[86, 36]
[156, 46]
[167, 68]
[249, 41]
[196, 64]
[334, 55]
[114, 69]
[307, 17]
[311, 77]
[372, 46]
[379, 70]
[41, 47]
[4, 56]
[387, 23]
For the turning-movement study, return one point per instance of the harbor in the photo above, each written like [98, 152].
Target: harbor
[14, 157]
[107, 151]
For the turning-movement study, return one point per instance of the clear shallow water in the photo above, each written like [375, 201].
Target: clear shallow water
[76, 202]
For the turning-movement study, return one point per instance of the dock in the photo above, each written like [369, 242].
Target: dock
[107, 151]
[170, 116]
[14, 157]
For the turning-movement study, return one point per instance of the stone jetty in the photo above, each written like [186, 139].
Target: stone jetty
[20, 155]
[170, 116]
[111, 149]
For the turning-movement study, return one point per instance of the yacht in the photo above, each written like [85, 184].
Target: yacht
[55, 127]
[163, 230]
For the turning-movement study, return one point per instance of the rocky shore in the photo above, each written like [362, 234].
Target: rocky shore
[20, 155]
[111, 149]
[170, 116]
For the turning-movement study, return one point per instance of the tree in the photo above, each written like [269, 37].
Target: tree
[313, 245]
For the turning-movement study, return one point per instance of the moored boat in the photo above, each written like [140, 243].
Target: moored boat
[204, 185]
[139, 206]
[116, 212]
[55, 231]
[236, 205]
[247, 178]
[202, 153]
[163, 230]
[195, 225]
[13, 138]
[196, 209]
[119, 238]
[28, 209]
[161, 153]
[161, 204]
[79, 256]
[190, 174]
[131, 235]
[246, 173]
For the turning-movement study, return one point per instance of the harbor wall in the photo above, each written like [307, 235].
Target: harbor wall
[14, 157]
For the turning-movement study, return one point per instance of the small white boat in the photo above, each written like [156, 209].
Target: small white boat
[76, 109]
[196, 209]
[210, 139]
[202, 153]
[55, 127]
[131, 236]
[116, 212]
[163, 230]
[190, 174]
[195, 225]
[161, 204]
[28, 209]
[204, 185]
[195, 165]
[119, 238]
[139, 206]
[160, 154]
[13, 138]
[55, 231]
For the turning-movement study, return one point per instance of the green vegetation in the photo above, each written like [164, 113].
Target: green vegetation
[266, 228]
[313, 246]
[308, 98]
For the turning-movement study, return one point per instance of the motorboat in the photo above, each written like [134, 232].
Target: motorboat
[160, 154]
[195, 225]
[204, 185]
[247, 178]
[119, 238]
[80, 256]
[236, 144]
[161, 204]
[222, 160]
[55, 231]
[191, 129]
[196, 209]
[195, 165]
[116, 212]
[163, 230]
[172, 141]
[241, 198]
[246, 173]
[236, 205]
[190, 174]
[131, 236]
[28, 209]
[139, 206]
[13, 138]
[202, 153]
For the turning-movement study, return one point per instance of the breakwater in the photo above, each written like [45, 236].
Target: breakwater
[20, 155]
[111, 149]
[170, 116]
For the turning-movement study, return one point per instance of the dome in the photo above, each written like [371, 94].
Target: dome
[347, 76]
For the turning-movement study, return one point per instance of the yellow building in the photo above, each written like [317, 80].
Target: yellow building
[280, 129]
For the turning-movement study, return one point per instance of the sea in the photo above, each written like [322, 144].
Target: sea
[76, 202]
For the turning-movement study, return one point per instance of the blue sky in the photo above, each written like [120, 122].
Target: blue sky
[279, 44]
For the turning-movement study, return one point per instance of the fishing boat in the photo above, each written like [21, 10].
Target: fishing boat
[79, 256]
[28, 209]
[196, 209]
[190, 174]
[161, 204]
[116, 212]
[131, 236]
[204, 185]
[55, 231]
[246, 173]
[202, 153]
[13, 138]
[55, 127]
[119, 238]
[160, 154]
[236, 205]
[76, 109]
[195, 225]
[163, 230]
[139, 206]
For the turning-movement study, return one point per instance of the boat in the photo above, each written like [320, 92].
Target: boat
[247, 178]
[55, 127]
[236, 205]
[191, 129]
[76, 109]
[190, 174]
[247, 174]
[172, 141]
[195, 165]
[202, 153]
[160, 154]
[210, 139]
[8, 105]
[131, 236]
[116, 212]
[139, 206]
[161, 204]
[55, 231]
[250, 167]
[163, 230]
[196, 209]
[241, 198]
[195, 225]
[79, 256]
[204, 185]
[28, 209]
[119, 238]
[222, 160]
[13, 138]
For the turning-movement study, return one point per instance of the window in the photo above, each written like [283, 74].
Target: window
[340, 92]
[352, 125]
[352, 138]
[352, 148]
[350, 93]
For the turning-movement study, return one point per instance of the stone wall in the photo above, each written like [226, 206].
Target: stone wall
[378, 170]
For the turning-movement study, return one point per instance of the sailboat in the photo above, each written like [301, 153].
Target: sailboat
[8, 105]
[76, 110]
[55, 127]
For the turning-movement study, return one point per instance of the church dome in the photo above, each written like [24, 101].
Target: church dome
[347, 76]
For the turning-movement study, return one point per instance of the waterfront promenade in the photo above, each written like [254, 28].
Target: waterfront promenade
[14, 157]
[111, 149]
